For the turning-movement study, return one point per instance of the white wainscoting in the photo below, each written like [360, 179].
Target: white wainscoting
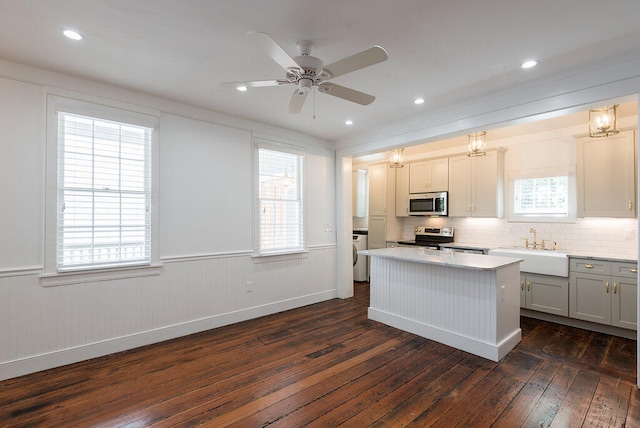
[45, 327]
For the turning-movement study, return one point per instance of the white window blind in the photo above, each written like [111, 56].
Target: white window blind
[280, 201]
[546, 196]
[104, 193]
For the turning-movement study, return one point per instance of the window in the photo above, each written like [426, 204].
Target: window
[280, 201]
[100, 202]
[546, 196]
[542, 195]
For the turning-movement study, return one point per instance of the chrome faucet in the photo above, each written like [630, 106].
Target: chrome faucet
[535, 243]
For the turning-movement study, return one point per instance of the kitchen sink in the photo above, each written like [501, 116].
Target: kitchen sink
[544, 262]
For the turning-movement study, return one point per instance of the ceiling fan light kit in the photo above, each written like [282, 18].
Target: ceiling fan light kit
[306, 72]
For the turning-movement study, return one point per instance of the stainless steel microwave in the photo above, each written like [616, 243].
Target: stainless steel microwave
[428, 203]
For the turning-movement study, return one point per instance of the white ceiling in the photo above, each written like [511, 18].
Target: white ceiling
[445, 51]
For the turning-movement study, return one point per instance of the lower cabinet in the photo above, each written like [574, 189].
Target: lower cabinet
[377, 233]
[604, 292]
[544, 293]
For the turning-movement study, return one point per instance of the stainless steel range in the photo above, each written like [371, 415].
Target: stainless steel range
[430, 237]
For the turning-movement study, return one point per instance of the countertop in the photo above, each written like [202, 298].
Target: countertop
[593, 256]
[436, 257]
[463, 245]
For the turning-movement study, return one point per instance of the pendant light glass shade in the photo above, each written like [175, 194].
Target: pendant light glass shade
[603, 121]
[396, 160]
[477, 144]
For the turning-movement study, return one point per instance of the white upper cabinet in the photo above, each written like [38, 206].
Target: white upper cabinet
[402, 192]
[476, 185]
[429, 176]
[607, 176]
[378, 190]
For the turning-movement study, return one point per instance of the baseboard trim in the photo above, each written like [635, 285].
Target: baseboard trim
[23, 366]
[490, 351]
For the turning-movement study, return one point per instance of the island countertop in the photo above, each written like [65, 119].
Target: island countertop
[443, 258]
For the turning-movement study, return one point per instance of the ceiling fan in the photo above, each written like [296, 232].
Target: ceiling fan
[306, 72]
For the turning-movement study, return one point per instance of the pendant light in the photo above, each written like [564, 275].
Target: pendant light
[396, 160]
[477, 144]
[603, 121]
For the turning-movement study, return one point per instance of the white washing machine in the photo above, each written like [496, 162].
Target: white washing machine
[359, 261]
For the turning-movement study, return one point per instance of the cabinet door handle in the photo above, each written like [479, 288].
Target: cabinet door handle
[634, 270]
[589, 266]
[606, 286]
[615, 288]
[522, 285]
[630, 205]
[469, 208]
[528, 285]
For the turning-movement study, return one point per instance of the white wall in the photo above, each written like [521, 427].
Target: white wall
[205, 234]
[21, 174]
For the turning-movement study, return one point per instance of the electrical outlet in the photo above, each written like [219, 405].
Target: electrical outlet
[249, 286]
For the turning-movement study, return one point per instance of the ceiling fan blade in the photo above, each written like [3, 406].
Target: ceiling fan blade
[274, 50]
[256, 83]
[297, 101]
[346, 93]
[355, 62]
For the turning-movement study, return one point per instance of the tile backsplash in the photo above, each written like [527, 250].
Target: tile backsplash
[589, 236]
[359, 222]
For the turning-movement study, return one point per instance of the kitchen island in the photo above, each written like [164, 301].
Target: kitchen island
[468, 301]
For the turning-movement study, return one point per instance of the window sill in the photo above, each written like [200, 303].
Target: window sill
[277, 257]
[98, 275]
[541, 219]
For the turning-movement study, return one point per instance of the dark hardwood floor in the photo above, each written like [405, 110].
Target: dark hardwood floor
[327, 365]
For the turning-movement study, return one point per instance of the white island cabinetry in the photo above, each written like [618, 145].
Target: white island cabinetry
[467, 301]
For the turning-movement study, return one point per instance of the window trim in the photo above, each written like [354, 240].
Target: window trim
[270, 144]
[100, 109]
[568, 171]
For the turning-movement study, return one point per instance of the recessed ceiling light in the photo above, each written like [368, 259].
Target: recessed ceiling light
[348, 122]
[241, 88]
[419, 101]
[73, 35]
[529, 64]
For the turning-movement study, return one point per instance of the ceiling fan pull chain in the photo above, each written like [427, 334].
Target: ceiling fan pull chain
[314, 102]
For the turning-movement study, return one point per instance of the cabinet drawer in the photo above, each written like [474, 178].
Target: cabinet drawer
[590, 266]
[626, 270]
